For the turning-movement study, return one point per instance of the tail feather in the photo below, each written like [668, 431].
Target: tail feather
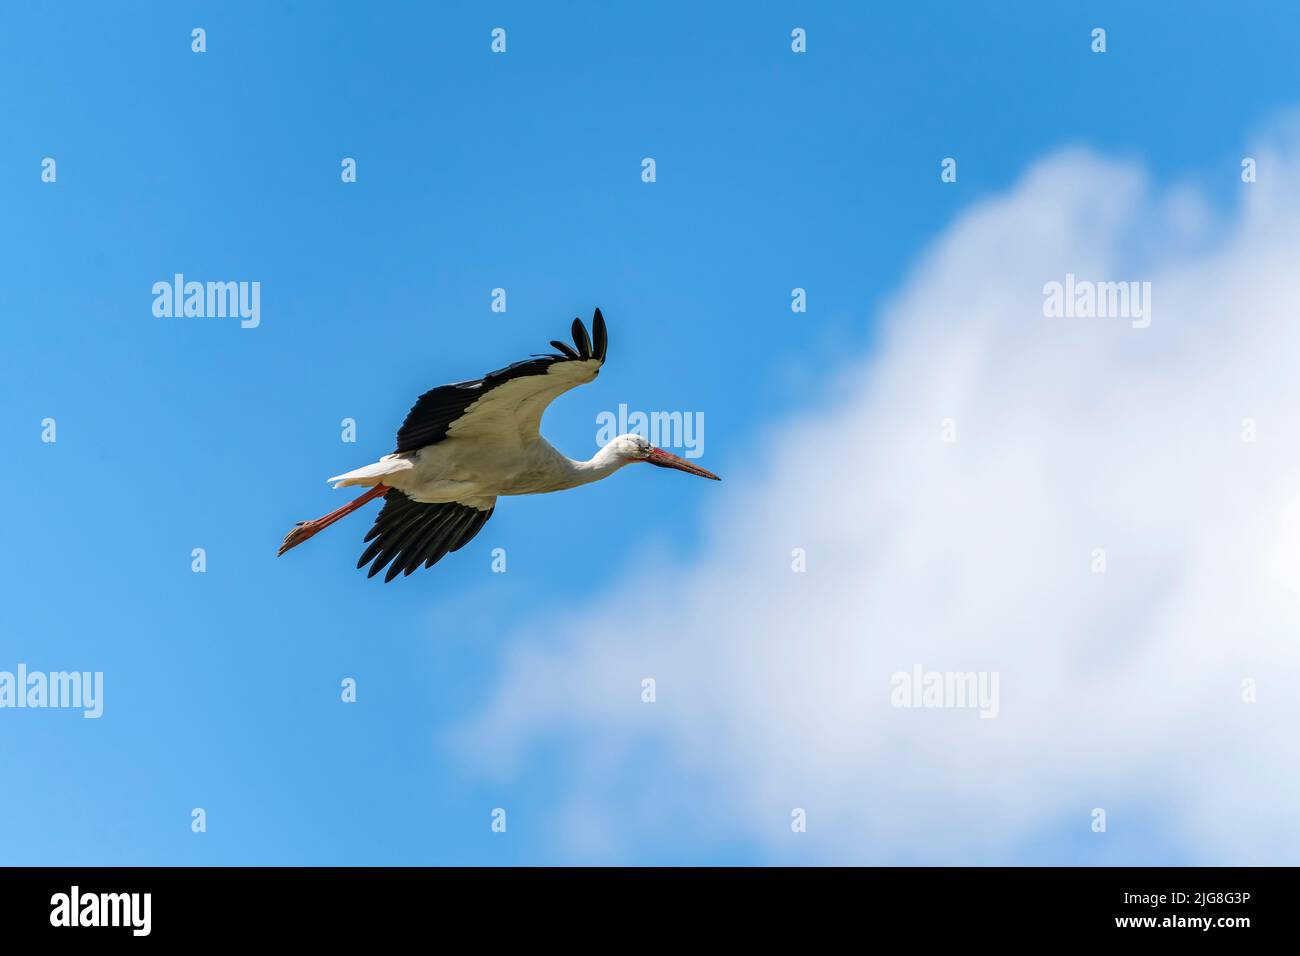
[371, 475]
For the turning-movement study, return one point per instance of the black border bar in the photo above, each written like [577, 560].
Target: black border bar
[208, 904]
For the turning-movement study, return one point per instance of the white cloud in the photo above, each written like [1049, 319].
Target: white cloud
[1120, 691]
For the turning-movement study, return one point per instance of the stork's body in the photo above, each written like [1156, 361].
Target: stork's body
[455, 469]
[464, 445]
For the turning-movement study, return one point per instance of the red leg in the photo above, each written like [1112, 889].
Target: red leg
[305, 529]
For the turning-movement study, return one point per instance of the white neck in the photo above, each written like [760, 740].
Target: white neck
[600, 465]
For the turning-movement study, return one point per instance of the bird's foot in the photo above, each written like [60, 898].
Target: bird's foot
[297, 535]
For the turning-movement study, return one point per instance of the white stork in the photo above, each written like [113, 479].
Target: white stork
[463, 445]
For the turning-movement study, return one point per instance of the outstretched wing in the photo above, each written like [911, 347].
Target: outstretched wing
[407, 532]
[507, 404]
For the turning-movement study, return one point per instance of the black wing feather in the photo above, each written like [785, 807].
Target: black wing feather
[580, 339]
[434, 411]
[448, 524]
[600, 339]
[407, 532]
[419, 547]
[399, 543]
[475, 523]
[395, 520]
[447, 536]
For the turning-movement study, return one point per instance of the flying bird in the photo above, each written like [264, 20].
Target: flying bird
[464, 445]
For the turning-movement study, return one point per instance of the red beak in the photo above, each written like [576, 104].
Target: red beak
[666, 460]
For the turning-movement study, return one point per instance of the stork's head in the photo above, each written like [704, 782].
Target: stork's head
[633, 448]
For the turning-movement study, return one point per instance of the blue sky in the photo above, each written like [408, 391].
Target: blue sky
[475, 171]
